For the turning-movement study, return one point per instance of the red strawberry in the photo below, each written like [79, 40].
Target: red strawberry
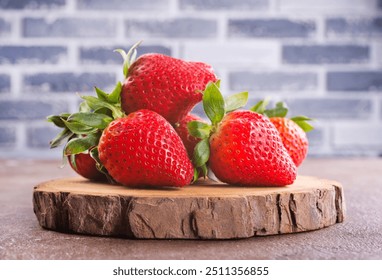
[189, 141]
[241, 147]
[83, 129]
[292, 131]
[85, 165]
[143, 149]
[293, 137]
[246, 149]
[166, 85]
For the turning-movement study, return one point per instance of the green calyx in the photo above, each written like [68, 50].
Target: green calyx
[128, 58]
[281, 111]
[82, 130]
[216, 107]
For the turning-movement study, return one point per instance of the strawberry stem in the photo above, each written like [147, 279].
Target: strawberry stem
[129, 57]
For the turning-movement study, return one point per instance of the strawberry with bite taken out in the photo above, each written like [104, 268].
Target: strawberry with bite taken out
[292, 130]
[241, 147]
[166, 85]
[143, 149]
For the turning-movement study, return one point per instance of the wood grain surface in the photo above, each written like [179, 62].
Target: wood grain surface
[206, 210]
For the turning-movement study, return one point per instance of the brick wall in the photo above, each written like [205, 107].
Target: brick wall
[323, 57]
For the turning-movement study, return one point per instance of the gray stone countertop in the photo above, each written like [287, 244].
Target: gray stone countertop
[359, 237]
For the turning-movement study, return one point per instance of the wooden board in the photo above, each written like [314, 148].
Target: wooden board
[207, 210]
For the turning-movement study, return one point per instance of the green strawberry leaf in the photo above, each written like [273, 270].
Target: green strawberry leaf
[73, 162]
[104, 111]
[260, 106]
[281, 110]
[60, 138]
[196, 175]
[236, 101]
[213, 103]
[94, 120]
[201, 153]
[125, 61]
[94, 154]
[78, 128]
[57, 120]
[101, 94]
[204, 170]
[84, 107]
[301, 118]
[80, 145]
[200, 158]
[199, 129]
[96, 104]
[115, 96]
[301, 121]
[129, 57]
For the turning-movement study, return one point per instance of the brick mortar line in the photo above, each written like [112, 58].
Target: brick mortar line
[59, 68]
[95, 41]
[174, 11]
[50, 15]
[375, 59]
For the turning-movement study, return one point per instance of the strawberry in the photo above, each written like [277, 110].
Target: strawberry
[166, 85]
[82, 130]
[292, 131]
[241, 147]
[293, 137]
[189, 141]
[84, 165]
[143, 149]
[246, 150]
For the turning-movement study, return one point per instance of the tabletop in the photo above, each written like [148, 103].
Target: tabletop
[358, 237]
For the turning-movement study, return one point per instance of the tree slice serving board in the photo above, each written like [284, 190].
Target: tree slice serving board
[206, 210]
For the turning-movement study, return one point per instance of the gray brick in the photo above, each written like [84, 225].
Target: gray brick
[69, 27]
[338, 6]
[326, 108]
[355, 27]
[39, 137]
[31, 4]
[273, 81]
[30, 109]
[325, 54]
[123, 5]
[105, 55]
[5, 83]
[171, 28]
[5, 28]
[67, 82]
[271, 28]
[31, 54]
[198, 110]
[223, 4]
[243, 55]
[362, 137]
[7, 136]
[315, 137]
[354, 81]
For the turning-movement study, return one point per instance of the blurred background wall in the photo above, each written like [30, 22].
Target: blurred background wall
[323, 57]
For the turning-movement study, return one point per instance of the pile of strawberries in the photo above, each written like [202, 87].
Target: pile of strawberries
[143, 135]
